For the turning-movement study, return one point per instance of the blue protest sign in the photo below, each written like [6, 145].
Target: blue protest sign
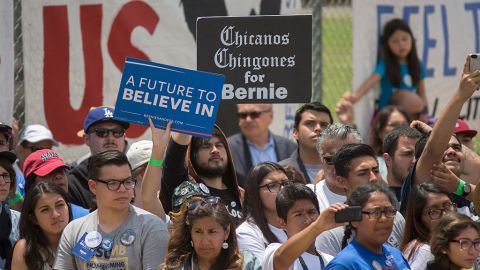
[188, 98]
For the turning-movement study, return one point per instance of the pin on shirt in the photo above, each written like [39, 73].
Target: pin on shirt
[107, 243]
[128, 237]
[93, 239]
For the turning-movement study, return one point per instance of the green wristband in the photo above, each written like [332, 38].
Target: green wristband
[155, 162]
[459, 190]
[18, 197]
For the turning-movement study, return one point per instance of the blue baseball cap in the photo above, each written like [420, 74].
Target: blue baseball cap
[102, 114]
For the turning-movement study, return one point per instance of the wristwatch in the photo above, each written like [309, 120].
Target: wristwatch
[466, 190]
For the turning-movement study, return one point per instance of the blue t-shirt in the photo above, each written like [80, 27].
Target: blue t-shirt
[354, 256]
[386, 87]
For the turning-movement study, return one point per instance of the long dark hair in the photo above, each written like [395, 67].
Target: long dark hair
[179, 244]
[379, 123]
[392, 64]
[414, 227]
[447, 228]
[253, 207]
[36, 241]
[360, 197]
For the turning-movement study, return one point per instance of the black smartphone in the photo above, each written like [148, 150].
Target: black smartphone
[352, 213]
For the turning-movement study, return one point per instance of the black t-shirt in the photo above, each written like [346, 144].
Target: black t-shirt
[233, 206]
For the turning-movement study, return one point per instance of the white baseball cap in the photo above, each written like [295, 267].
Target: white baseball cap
[139, 153]
[36, 133]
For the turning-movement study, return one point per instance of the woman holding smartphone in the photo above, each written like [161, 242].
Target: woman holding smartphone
[368, 249]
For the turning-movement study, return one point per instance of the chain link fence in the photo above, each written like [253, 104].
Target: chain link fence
[19, 92]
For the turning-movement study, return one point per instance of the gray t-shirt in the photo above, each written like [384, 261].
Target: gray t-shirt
[147, 251]
[330, 241]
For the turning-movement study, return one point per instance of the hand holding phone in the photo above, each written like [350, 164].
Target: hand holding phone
[352, 213]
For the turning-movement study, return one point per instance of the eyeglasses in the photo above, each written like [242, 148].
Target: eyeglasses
[328, 160]
[252, 114]
[377, 213]
[6, 177]
[275, 187]
[103, 132]
[114, 185]
[200, 202]
[438, 213]
[466, 244]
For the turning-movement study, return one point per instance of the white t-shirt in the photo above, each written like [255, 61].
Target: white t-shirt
[330, 241]
[311, 261]
[250, 238]
[325, 196]
[421, 256]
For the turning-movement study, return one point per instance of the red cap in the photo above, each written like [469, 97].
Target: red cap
[462, 127]
[42, 162]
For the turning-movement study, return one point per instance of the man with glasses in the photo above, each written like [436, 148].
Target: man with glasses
[356, 165]
[310, 120]
[329, 190]
[46, 165]
[101, 132]
[255, 143]
[117, 235]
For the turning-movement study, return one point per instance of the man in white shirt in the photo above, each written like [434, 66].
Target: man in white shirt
[329, 190]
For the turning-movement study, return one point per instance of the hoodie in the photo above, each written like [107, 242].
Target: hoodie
[174, 175]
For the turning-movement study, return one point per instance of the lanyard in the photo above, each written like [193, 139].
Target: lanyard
[304, 265]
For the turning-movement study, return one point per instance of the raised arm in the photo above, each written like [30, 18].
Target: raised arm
[443, 129]
[174, 169]
[153, 174]
[293, 248]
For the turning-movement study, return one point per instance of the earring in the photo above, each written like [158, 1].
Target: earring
[225, 244]
[191, 243]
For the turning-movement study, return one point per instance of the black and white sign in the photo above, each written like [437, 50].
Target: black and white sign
[266, 59]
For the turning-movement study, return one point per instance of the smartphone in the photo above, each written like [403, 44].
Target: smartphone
[474, 62]
[352, 213]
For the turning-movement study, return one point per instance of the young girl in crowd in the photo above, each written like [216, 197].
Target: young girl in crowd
[45, 214]
[204, 238]
[261, 226]
[455, 243]
[8, 218]
[368, 250]
[398, 68]
[427, 204]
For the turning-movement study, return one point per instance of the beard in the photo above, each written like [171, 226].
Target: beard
[208, 171]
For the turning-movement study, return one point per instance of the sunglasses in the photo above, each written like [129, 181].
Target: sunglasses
[328, 160]
[209, 200]
[103, 132]
[252, 114]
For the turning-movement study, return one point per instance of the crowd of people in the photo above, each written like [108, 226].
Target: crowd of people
[255, 200]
